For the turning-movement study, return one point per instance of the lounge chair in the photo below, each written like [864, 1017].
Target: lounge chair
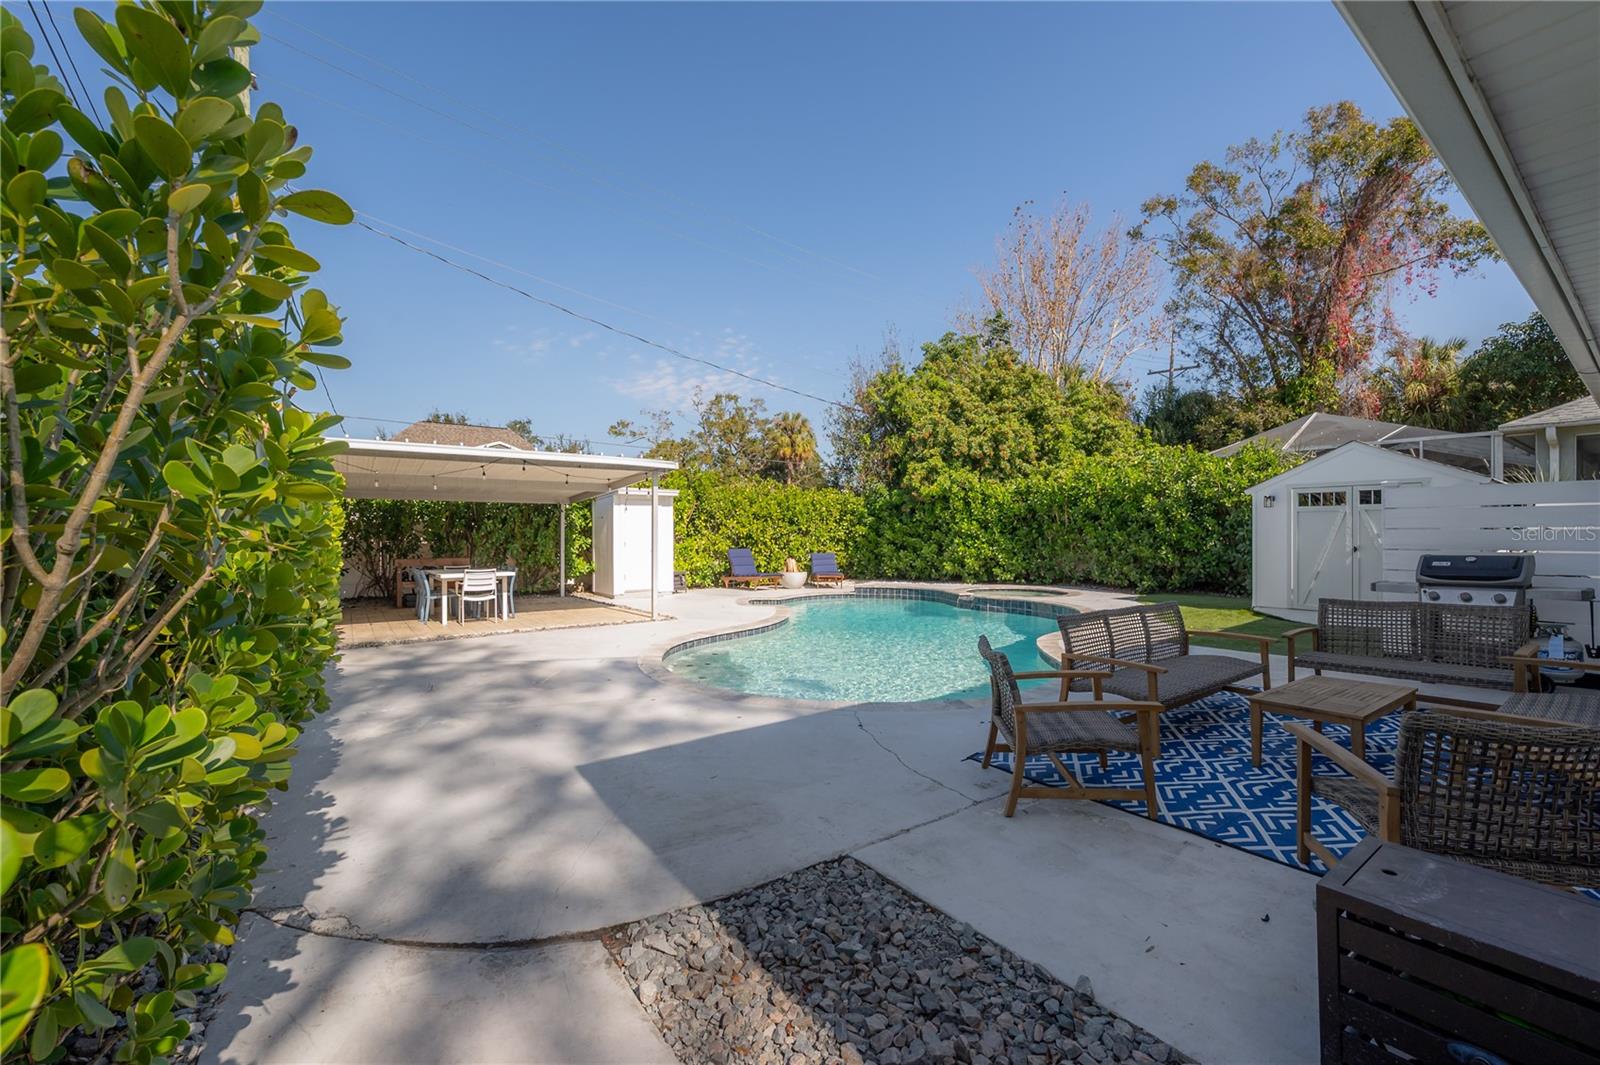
[1052, 729]
[742, 566]
[825, 568]
[1511, 793]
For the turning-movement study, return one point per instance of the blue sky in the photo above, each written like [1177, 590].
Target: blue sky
[771, 186]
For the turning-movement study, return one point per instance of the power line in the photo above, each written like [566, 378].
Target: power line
[525, 294]
[88, 97]
[44, 33]
[557, 145]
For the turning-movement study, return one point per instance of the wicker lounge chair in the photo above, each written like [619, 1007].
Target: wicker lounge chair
[1511, 793]
[742, 569]
[1147, 650]
[1055, 728]
[825, 568]
[1575, 706]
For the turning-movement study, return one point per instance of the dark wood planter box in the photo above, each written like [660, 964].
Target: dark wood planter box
[1425, 959]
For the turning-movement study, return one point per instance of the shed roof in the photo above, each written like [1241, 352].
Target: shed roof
[1576, 412]
[400, 469]
[1398, 463]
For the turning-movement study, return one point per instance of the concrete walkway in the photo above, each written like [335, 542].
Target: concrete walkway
[471, 813]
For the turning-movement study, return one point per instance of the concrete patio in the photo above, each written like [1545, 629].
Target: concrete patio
[471, 814]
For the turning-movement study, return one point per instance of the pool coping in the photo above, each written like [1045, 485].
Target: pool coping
[653, 662]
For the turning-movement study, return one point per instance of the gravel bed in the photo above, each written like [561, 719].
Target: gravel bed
[835, 964]
[87, 1048]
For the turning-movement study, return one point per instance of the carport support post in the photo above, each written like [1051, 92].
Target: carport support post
[561, 554]
[655, 535]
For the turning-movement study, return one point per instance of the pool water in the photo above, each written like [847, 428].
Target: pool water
[868, 650]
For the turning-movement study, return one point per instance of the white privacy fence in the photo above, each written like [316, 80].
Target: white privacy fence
[1559, 522]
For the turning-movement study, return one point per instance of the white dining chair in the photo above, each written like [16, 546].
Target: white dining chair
[480, 586]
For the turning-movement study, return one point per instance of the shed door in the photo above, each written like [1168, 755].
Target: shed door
[1369, 541]
[1323, 560]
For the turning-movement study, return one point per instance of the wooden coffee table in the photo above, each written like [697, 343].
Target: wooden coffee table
[1325, 699]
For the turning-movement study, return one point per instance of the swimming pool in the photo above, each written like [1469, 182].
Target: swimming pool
[862, 649]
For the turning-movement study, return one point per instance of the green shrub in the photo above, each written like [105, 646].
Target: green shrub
[171, 548]
[773, 520]
[380, 532]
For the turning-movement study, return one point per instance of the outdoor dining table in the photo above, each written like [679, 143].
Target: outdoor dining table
[504, 578]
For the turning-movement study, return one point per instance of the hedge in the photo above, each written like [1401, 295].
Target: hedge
[381, 531]
[773, 520]
[1150, 518]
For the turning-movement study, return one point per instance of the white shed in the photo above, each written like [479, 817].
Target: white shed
[622, 541]
[1317, 530]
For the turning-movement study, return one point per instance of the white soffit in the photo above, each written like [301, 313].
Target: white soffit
[1508, 94]
[392, 469]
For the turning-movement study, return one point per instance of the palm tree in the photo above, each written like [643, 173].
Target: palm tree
[1420, 381]
[791, 443]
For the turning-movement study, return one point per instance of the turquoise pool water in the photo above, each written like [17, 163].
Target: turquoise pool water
[868, 650]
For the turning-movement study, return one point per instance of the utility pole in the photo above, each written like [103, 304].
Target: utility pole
[1172, 369]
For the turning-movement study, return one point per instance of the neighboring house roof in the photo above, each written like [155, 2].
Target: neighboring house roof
[1321, 432]
[463, 436]
[1580, 411]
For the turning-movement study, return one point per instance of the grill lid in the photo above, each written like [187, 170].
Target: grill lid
[1502, 571]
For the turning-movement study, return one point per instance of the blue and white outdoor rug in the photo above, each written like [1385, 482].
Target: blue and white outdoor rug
[1207, 785]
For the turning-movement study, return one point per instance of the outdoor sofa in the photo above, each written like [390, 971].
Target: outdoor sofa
[1422, 643]
[742, 570]
[1147, 651]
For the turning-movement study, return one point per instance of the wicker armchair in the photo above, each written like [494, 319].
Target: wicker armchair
[1510, 793]
[1147, 651]
[1056, 728]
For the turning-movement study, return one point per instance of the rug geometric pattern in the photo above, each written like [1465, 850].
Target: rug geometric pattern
[1206, 784]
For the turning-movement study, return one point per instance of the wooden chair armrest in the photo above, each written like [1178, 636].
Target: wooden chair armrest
[1101, 705]
[1264, 641]
[1301, 631]
[1325, 746]
[1073, 656]
[1040, 674]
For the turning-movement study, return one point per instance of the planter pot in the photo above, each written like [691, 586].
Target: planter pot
[793, 580]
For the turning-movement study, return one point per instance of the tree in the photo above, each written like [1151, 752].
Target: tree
[1418, 384]
[729, 435]
[1079, 302]
[170, 553]
[1519, 370]
[1173, 416]
[972, 404]
[857, 456]
[1286, 257]
[792, 445]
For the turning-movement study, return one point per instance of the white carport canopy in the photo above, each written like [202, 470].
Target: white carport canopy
[395, 469]
[1508, 94]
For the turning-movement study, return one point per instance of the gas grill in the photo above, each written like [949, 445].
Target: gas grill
[1486, 580]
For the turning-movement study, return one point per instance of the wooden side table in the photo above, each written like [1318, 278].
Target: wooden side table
[1325, 699]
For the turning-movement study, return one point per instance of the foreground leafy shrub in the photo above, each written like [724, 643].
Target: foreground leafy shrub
[171, 543]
